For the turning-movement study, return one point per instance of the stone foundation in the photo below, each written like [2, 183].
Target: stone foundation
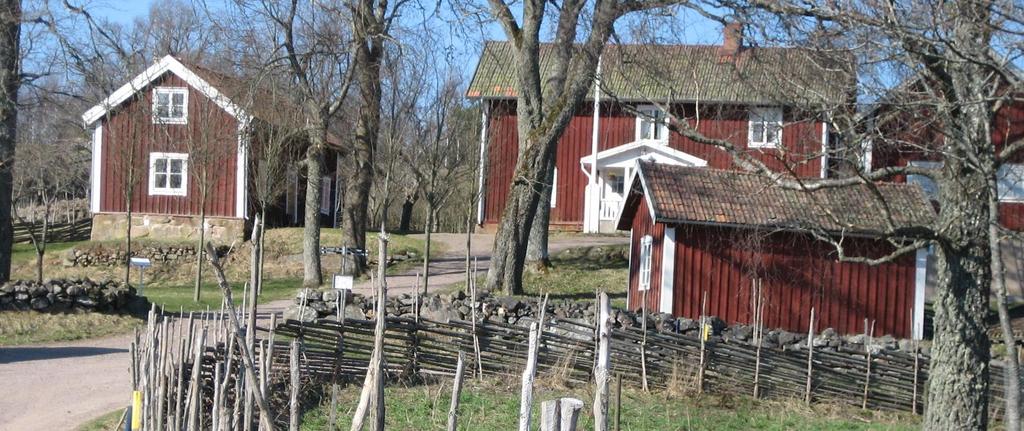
[111, 226]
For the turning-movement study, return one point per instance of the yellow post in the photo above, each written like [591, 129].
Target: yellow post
[136, 410]
[706, 331]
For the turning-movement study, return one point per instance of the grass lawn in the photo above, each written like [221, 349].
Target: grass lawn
[30, 327]
[576, 278]
[179, 296]
[27, 252]
[106, 422]
[492, 405]
[289, 241]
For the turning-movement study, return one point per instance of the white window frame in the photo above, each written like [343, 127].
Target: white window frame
[554, 188]
[647, 114]
[167, 190]
[930, 188]
[646, 256]
[1010, 180]
[767, 116]
[170, 92]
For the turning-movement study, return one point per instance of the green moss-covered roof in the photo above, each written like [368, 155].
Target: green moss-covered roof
[754, 75]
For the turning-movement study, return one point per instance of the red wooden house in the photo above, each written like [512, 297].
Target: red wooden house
[152, 135]
[698, 231]
[752, 97]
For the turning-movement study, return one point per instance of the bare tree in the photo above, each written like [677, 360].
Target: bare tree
[955, 64]
[10, 82]
[438, 156]
[544, 106]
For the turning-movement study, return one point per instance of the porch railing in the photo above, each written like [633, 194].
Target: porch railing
[610, 209]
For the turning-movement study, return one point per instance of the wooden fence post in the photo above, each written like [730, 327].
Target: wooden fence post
[453, 409]
[867, 348]
[570, 413]
[293, 399]
[601, 371]
[526, 394]
[373, 384]
[703, 334]
[550, 415]
[810, 357]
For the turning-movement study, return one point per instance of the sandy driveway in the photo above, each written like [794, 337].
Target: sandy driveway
[60, 386]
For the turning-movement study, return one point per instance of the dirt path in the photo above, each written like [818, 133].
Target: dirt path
[60, 386]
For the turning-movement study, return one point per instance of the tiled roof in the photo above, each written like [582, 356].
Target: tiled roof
[755, 75]
[701, 195]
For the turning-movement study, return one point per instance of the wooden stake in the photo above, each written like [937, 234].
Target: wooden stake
[917, 356]
[526, 393]
[618, 403]
[293, 399]
[643, 342]
[703, 343]
[602, 369]
[810, 357]
[758, 334]
[551, 415]
[453, 409]
[867, 348]
[375, 368]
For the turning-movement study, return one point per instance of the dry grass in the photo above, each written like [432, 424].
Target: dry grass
[30, 327]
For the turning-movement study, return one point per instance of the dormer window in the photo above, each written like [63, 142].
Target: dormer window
[170, 105]
[651, 124]
[765, 127]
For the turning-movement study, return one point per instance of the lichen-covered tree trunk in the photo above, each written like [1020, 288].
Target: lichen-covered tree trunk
[359, 163]
[10, 82]
[537, 251]
[312, 275]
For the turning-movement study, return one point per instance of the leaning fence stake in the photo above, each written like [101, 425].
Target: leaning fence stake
[453, 410]
[526, 395]
[704, 333]
[602, 369]
[867, 347]
[810, 357]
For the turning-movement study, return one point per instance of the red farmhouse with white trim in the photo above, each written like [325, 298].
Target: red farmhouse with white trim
[149, 124]
[698, 231]
[748, 96]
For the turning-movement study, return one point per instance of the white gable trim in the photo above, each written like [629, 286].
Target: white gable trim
[637, 174]
[166, 64]
[652, 146]
[242, 172]
[96, 173]
[668, 269]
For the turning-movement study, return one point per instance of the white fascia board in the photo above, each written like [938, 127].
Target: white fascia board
[668, 269]
[242, 172]
[142, 80]
[96, 170]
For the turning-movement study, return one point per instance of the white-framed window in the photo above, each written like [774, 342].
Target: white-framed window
[765, 127]
[168, 174]
[325, 196]
[616, 184]
[1011, 183]
[554, 188]
[646, 256]
[651, 124]
[927, 184]
[170, 105]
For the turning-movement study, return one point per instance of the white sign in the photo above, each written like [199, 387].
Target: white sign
[140, 262]
[343, 282]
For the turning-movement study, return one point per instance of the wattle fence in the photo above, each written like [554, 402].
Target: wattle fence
[896, 380]
[77, 230]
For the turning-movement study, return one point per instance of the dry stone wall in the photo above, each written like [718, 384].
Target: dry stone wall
[102, 255]
[70, 295]
[313, 304]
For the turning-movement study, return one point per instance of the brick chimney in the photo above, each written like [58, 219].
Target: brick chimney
[732, 39]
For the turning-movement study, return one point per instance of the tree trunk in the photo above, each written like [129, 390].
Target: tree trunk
[10, 82]
[311, 271]
[426, 247]
[128, 238]
[537, 250]
[1012, 369]
[200, 250]
[511, 239]
[357, 194]
[406, 218]
[41, 248]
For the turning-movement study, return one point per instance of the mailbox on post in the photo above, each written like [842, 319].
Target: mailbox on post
[142, 263]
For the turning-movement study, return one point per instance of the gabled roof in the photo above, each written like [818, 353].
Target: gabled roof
[687, 195]
[641, 148]
[754, 75]
[141, 81]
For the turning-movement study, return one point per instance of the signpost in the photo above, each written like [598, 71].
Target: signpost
[341, 282]
[142, 263]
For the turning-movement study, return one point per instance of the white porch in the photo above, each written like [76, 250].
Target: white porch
[606, 188]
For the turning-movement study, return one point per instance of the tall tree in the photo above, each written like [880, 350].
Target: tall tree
[10, 82]
[545, 102]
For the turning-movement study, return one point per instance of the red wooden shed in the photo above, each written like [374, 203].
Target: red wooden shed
[698, 231]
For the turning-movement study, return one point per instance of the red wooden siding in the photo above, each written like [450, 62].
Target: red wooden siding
[921, 129]
[797, 273]
[643, 225]
[801, 137]
[131, 125]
